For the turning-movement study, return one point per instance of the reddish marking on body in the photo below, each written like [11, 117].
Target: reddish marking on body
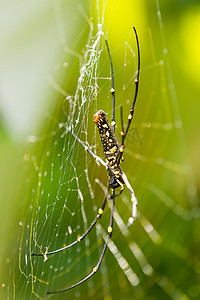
[96, 118]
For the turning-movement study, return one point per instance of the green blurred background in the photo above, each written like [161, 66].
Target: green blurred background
[38, 70]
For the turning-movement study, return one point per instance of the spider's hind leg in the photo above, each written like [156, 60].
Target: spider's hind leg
[133, 199]
[96, 268]
[80, 238]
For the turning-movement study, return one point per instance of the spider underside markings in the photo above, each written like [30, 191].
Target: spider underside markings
[113, 151]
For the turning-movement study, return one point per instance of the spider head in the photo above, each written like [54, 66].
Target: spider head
[100, 114]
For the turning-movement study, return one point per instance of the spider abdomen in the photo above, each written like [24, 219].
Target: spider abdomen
[109, 141]
[110, 147]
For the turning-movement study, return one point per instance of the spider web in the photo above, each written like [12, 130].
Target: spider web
[65, 186]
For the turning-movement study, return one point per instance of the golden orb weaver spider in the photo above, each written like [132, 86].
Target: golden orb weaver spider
[113, 151]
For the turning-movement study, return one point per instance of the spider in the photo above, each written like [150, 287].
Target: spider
[113, 151]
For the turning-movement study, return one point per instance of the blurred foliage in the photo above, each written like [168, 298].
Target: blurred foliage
[34, 49]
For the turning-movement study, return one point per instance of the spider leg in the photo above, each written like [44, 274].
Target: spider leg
[122, 122]
[95, 269]
[121, 190]
[79, 239]
[113, 88]
[133, 199]
[116, 195]
[130, 116]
